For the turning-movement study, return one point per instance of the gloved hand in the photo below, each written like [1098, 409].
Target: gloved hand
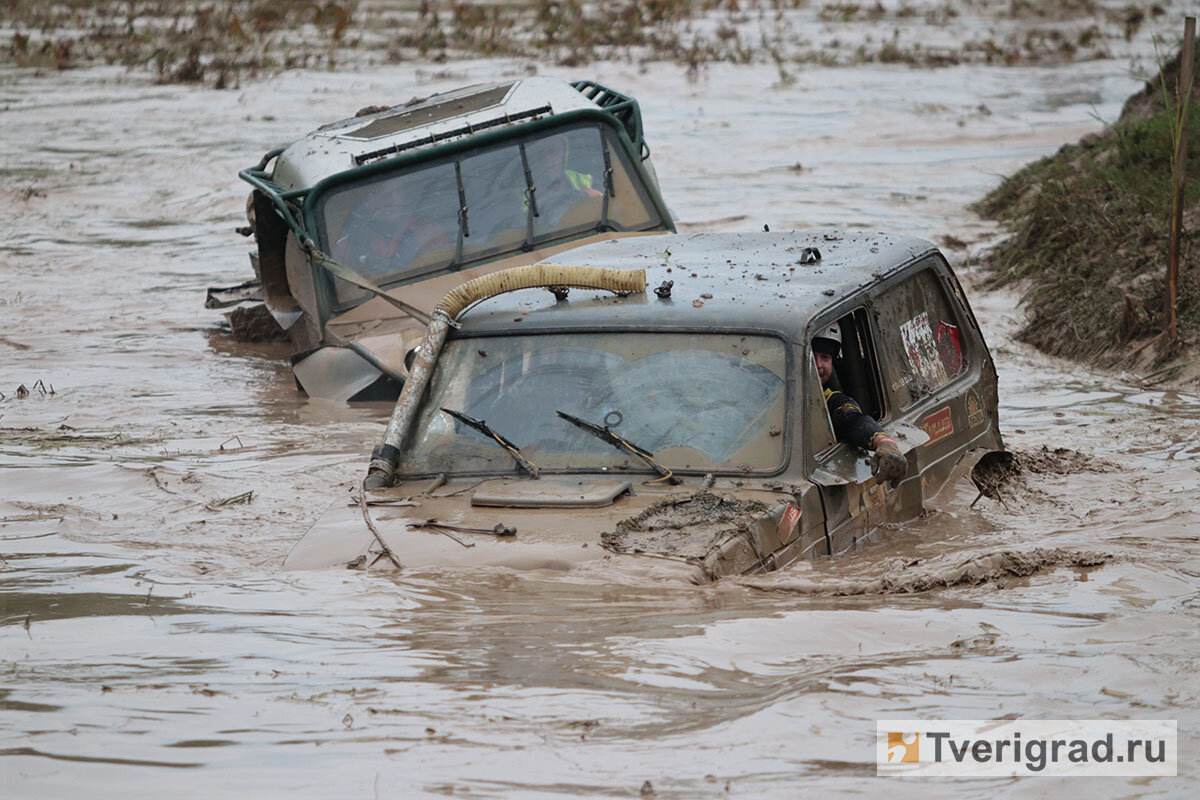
[888, 464]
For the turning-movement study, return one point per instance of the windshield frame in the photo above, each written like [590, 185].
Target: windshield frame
[315, 197]
[787, 434]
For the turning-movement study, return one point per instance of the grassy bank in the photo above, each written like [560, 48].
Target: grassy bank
[1089, 243]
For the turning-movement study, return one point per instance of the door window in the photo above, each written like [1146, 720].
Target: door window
[857, 368]
[856, 374]
[920, 338]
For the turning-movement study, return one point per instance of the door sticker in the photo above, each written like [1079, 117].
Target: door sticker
[922, 349]
[975, 416]
[787, 523]
[950, 348]
[938, 425]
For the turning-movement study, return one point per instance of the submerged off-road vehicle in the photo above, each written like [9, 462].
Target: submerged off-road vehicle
[549, 429]
[365, 223]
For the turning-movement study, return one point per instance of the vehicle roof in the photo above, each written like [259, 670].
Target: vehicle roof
[332, 148]
[756, 280]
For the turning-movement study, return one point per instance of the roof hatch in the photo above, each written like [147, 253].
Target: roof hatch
[427, 113]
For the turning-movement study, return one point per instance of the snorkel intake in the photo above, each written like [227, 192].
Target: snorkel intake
[382, 471]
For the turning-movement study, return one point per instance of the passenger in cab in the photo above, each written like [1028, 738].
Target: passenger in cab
[560, 178]
[849, 422]
[558, 185]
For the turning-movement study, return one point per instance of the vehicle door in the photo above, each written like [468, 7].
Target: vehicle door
[936, 371]
[919, 362]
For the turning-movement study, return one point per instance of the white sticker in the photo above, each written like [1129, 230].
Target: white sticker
[922, 350]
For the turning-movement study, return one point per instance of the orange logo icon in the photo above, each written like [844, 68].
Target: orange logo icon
[903, 748]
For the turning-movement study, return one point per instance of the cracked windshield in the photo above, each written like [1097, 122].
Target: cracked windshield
[698, 402]
[551, 399]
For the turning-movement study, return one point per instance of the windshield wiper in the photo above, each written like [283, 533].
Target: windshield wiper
[464, 228]
[483, 428]
[605, 434]
[530, 197]
[610, 190]
[529, 187]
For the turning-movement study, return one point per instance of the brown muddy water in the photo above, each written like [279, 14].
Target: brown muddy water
[151, 646]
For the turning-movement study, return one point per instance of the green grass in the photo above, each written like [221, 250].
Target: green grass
[1089, 240]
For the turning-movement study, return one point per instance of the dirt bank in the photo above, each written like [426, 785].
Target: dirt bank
[1090, 236]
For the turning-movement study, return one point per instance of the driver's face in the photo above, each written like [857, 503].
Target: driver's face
[824, 366]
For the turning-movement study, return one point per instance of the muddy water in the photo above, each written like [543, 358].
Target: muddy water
[149, 643]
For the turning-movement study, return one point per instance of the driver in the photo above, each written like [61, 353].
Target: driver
[388, 237]
[369, 237]
[561, 179]
[558, 188]
[849, 422]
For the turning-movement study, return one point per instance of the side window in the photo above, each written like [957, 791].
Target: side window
[857, 368]
[629, 207]
[920, 338]
[855, 373]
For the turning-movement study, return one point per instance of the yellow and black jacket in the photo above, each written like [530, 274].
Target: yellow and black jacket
[849, 422]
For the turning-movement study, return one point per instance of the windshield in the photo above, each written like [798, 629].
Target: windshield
[696, 401]
[518, 194]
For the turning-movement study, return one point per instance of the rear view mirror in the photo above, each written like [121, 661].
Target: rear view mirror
[846, 465]
[909, 437]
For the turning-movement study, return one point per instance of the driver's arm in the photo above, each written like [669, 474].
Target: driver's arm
[861, 430]
[849, 422]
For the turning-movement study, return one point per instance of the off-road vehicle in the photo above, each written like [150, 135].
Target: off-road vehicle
[364, 223]
[669, 406]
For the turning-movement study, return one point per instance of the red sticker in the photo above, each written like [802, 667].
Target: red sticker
[791, 515]
[949, 348]
[938, 425]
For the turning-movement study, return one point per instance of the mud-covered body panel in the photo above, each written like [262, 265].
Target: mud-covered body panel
[554, 537]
